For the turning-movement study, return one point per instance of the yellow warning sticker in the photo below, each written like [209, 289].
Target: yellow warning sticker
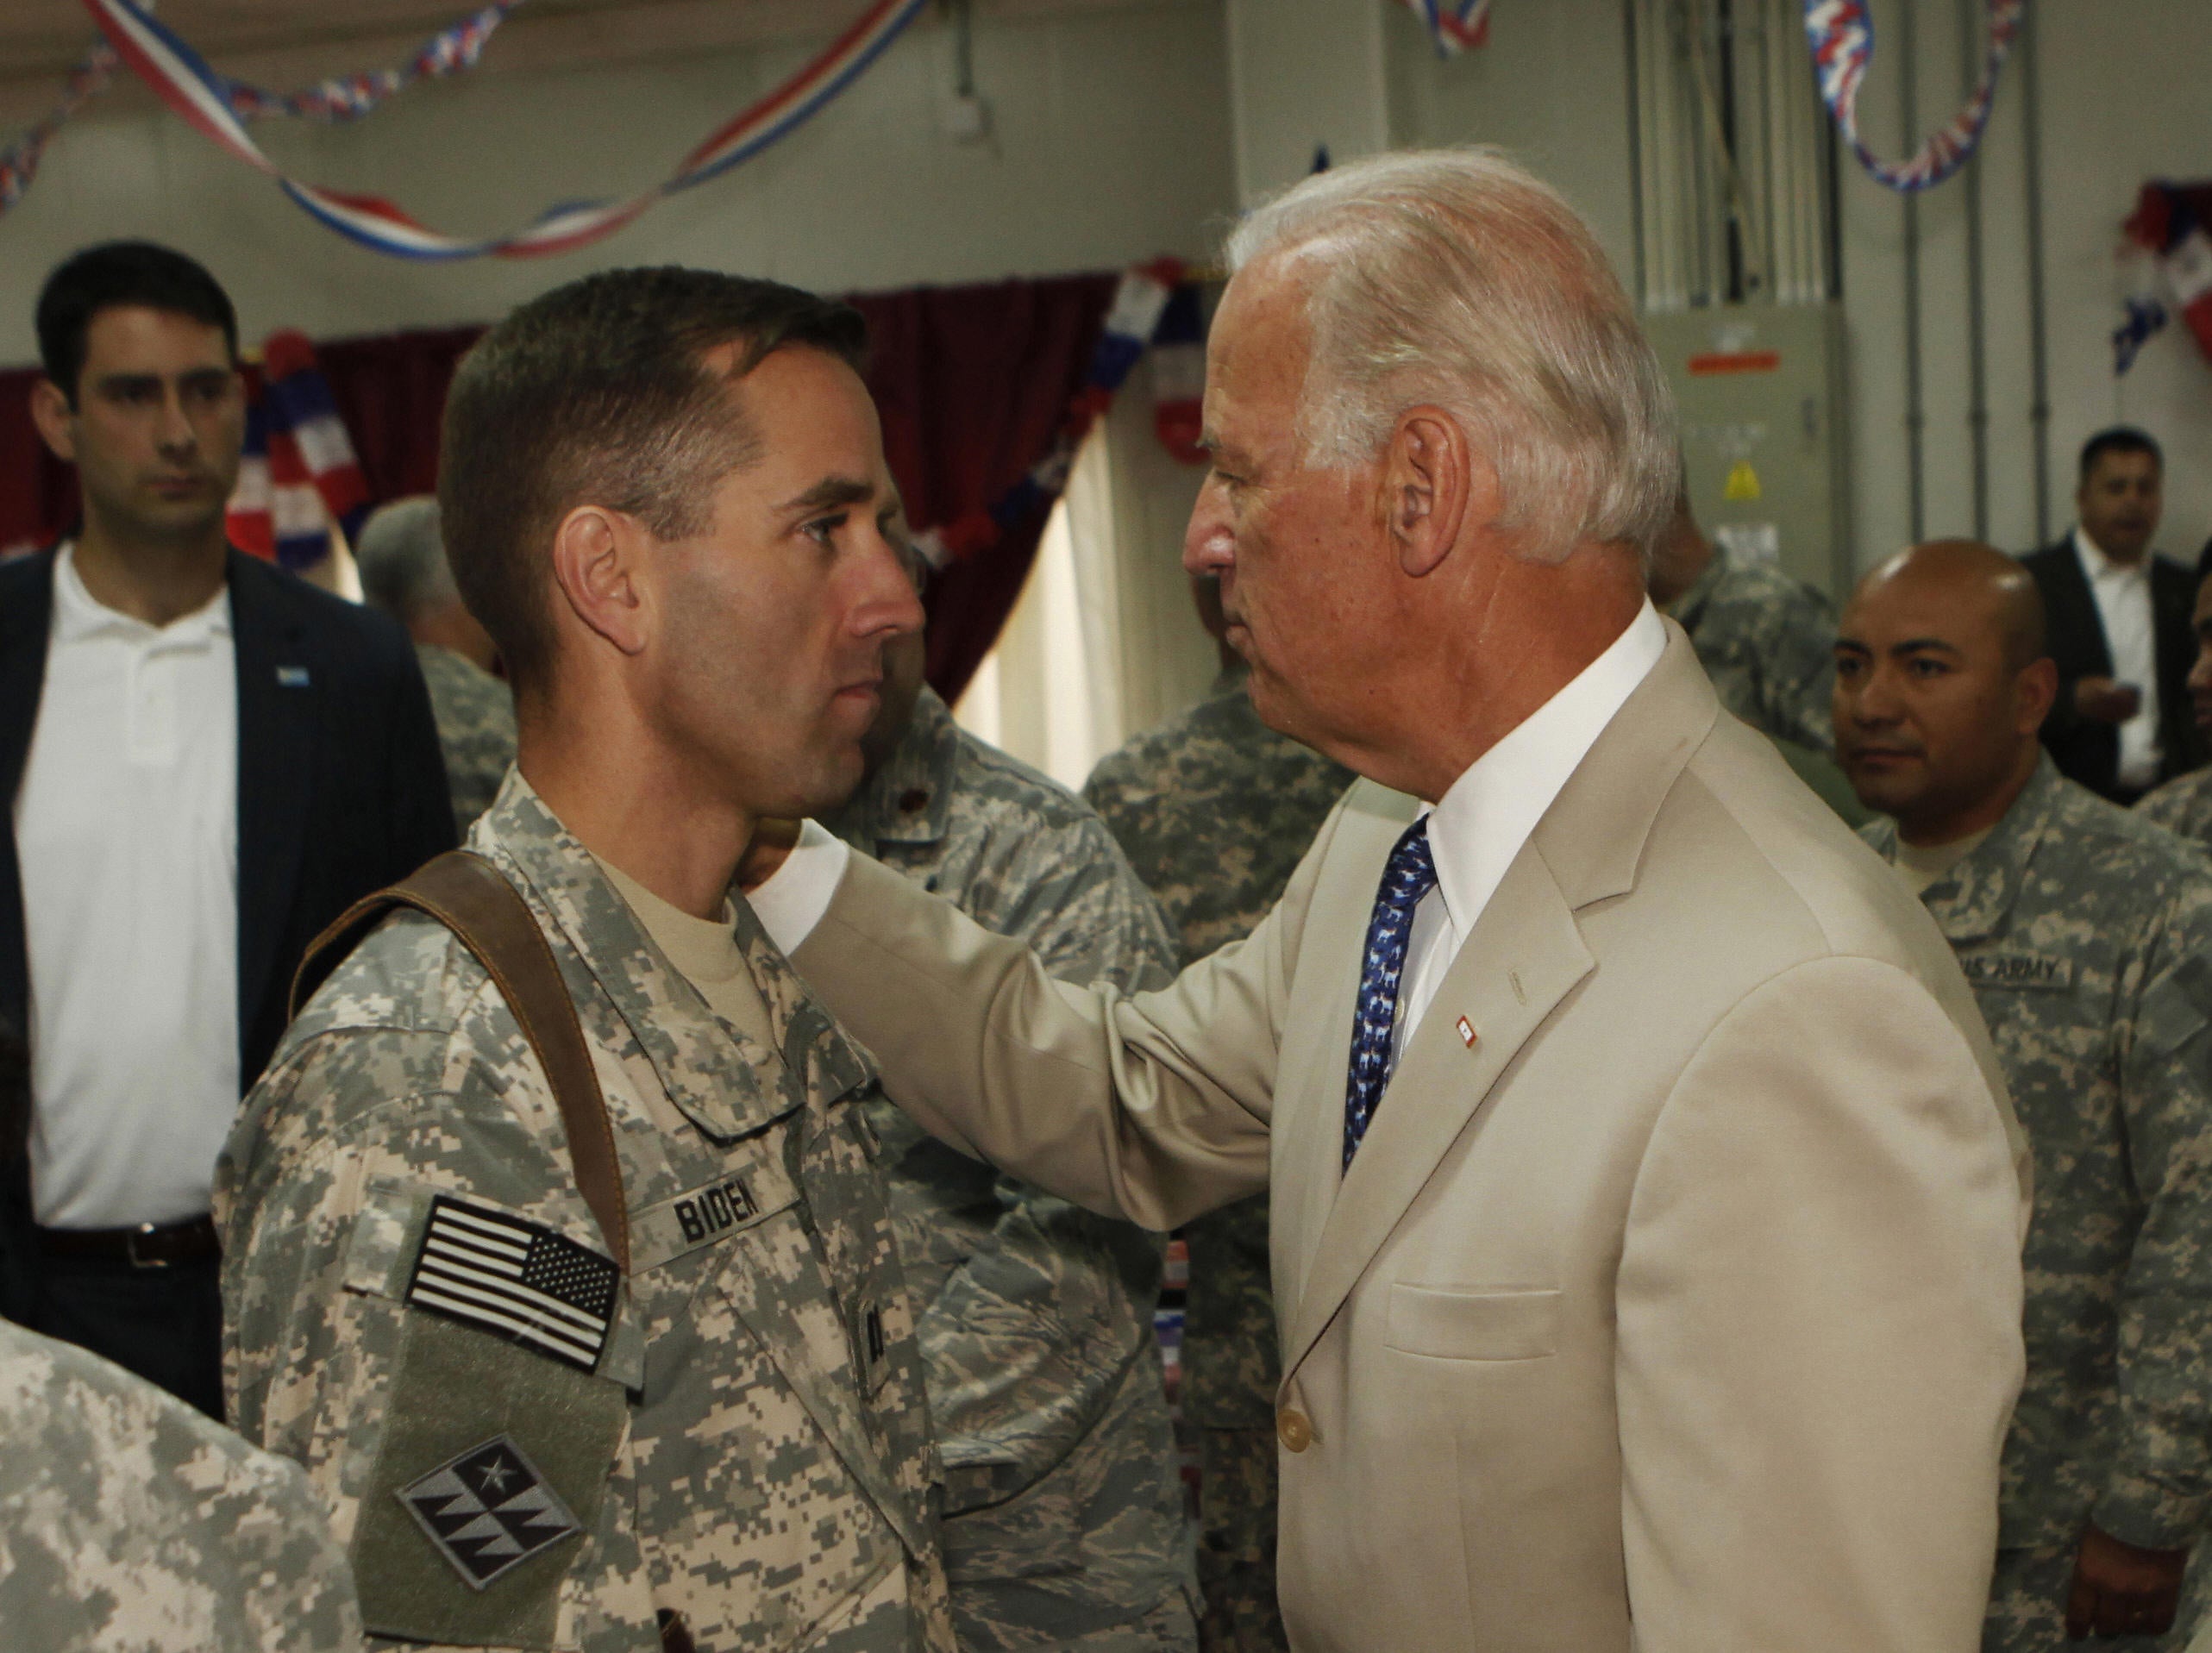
[1743, 482]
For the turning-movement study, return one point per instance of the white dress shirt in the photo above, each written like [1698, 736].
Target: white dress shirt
[1480, 823]
[127, 837]
[1475, 830]
[2123, 605]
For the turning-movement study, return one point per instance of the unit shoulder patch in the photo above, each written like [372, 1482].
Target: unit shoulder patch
[488, 1509]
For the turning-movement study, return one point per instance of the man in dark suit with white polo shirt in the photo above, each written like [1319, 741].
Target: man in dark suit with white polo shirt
[206, 760]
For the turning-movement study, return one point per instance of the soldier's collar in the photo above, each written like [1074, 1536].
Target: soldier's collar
[727, 1081]
[1973, 900]
[909, 799]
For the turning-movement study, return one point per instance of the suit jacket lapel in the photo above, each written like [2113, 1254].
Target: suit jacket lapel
[276, 707]
[1524, 955]
[25, 620]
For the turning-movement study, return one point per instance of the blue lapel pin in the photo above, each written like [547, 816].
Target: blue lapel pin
[292, 677]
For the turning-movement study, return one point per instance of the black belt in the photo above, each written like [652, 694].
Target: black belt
[147, 1245]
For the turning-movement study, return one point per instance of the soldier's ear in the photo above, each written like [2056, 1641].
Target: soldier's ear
[2034, 690]
[593, 554]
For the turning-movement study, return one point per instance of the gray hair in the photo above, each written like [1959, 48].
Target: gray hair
[1455, 277]
[401, 556]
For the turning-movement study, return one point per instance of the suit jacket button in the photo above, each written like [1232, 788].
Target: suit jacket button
[1294, 1429]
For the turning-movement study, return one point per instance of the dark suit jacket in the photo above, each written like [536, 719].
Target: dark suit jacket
[341, 787]
[2087, 751]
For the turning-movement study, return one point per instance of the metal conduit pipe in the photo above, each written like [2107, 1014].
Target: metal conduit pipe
[2039, 361]
[1977, 372]
[1915, 412]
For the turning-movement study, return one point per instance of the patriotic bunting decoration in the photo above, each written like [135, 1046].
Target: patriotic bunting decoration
[2173, 224]
[1841, 33]
[1139, 303]
[298, 475]
[343, 97]
[189, 86]
[1455, 26]
[1179, 376]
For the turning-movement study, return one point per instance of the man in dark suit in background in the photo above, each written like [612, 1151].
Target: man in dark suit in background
[206, 760]
[2119, 628]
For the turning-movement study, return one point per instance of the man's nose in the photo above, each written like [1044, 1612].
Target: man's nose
[174, 429]
[2200, 674]
[1209, 544]
[892, 603]
[1876, 703]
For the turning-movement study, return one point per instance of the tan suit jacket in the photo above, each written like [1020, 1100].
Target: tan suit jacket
[1679, 1311]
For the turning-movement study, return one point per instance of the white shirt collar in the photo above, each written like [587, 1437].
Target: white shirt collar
[2097, 565]
[1480, 823]
[79, 615]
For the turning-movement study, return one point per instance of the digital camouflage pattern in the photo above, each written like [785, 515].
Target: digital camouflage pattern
[129, 1521]
[2086, 934]
[1768, 642]
[2183, 806]
[750, 1448]
[475, 715]
[1064, 1524]
[2027, 1581]
[1215, 810]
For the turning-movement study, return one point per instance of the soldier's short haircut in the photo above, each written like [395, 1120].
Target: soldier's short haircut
[112, 276]
[2121, 439]
[598, 394]
[402, 559]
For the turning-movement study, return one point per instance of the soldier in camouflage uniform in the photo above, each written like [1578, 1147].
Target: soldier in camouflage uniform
[128, 1519]
[402, 559]
[1215, 809]
[2184, 805]
[1064, 1524]
[1763, 638]
[2086, 934]
[727, 1449]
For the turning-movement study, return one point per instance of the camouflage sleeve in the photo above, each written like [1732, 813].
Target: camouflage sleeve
[1803, 666]
[128, 1520]
[1086, 914]
[2158, 1485]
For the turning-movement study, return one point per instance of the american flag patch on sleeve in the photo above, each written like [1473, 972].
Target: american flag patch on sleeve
[517, 1280]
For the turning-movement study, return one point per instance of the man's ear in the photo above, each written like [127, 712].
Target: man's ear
[2034, 692]
[595, 557]
[1429, 484]
[51, 413]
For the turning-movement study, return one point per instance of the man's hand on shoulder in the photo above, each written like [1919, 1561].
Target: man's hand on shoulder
[2121, 1589]
[2103, 701]
[773, 842]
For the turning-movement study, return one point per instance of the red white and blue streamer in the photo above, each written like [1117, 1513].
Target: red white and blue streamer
[1146, 303]
[1455, 25]
[1841, 33]
[189, 86]
[341, 97]
[298, 475]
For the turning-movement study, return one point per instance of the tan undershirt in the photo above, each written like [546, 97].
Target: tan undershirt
[1926, 866]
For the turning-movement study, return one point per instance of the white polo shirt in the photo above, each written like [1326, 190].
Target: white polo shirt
[127, 837]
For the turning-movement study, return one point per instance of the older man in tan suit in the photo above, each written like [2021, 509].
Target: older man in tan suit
[1646, 1205]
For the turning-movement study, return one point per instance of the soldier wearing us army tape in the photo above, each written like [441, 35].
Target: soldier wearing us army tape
[1064, 1524]
[2086, 934]
[1215, 810]
[129, 1519]
[664, 494]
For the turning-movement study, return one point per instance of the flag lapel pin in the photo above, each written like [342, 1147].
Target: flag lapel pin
[1468, 1036]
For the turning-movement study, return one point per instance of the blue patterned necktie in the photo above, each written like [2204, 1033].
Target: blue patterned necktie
[1410, 876]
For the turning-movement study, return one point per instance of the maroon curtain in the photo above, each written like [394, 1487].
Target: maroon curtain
[973, 382]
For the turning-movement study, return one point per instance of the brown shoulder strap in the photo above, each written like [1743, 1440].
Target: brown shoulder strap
[472, 898]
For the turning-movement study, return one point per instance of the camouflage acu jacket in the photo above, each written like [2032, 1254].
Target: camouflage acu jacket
[1768, 642]
[129, 1521]
[475, 715]
[1036, 1315]
[2183, 806]
[519, 1449]
[1215, 810]
[2086, 934]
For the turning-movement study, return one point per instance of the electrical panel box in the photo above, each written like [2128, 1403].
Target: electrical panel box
[1760, 388]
